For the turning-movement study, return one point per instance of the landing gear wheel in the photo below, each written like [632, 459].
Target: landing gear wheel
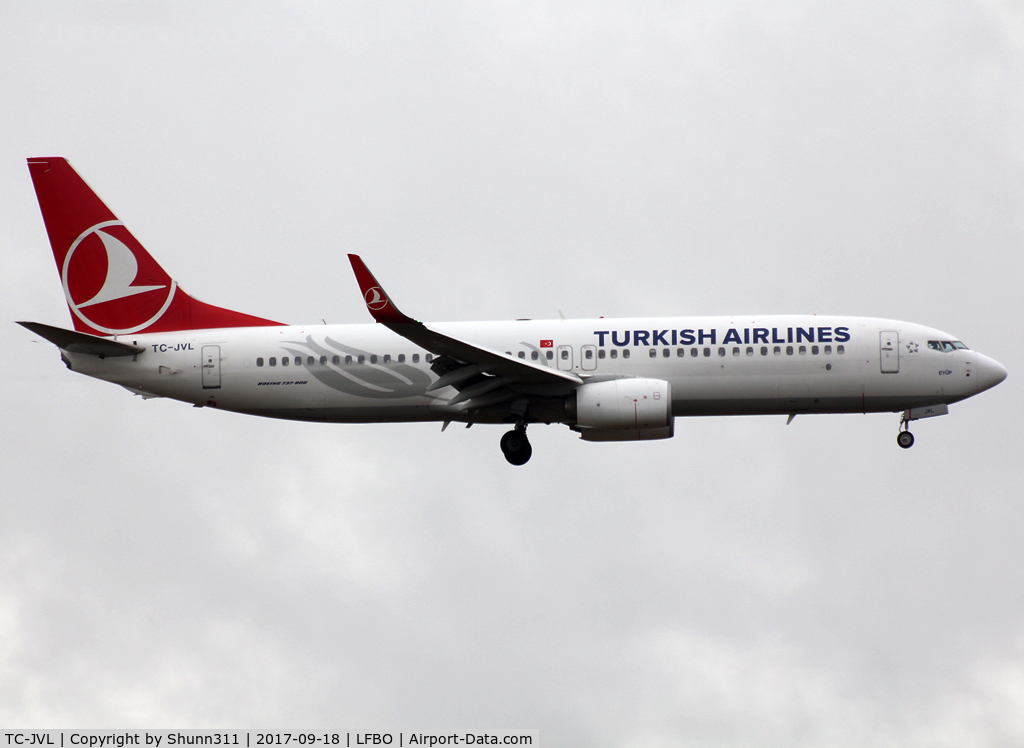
[516, 447]
[905, 439]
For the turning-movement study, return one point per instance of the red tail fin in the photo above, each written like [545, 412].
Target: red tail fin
[112, 284]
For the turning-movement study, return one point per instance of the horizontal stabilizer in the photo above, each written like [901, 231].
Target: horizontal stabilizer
[80, 342]
[141, 393]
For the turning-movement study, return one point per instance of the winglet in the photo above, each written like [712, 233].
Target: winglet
[377, 301]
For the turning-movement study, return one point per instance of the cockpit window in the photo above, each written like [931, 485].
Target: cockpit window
[947, 346]
[960, 346]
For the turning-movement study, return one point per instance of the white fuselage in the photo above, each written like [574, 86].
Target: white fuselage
[715, 365]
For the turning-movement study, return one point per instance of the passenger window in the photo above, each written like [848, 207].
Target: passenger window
[335, 360]
[310, 361]
[298, 360]
[693, 353]
[522, 354]
[373, 358]
[840, 350]
[625, 352]
[777, 351]
[323, 360]
[387, 358]
[764, 350]
[615, 352]
[666, 353]
[428, 358]
[828, 350]
[534, 355]
[814, 350]
[361, 359]
[750, 350]
[721, 351]
[707, 352]
[653, 353]
[285, 361]
[273, 361]
[549, 355]
[348, 359]
[600, 353]
[401, 358]
[680, 352]
[415, 358]
[803, 350]
[735, 351]
[587, 354]
[565, 355]
[259, 362]
[789, 350]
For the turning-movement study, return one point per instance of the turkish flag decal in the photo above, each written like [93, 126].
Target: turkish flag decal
[547, 344]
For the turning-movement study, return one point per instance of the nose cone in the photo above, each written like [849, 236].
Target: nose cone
[990, 373]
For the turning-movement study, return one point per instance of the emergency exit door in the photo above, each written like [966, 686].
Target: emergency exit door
[565, 357]
[889, 351]
[211, 367]
[588, 357]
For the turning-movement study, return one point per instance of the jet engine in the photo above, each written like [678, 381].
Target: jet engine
[622, 410]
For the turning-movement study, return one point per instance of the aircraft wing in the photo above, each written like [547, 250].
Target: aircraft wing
[80, 342]
[497, 363]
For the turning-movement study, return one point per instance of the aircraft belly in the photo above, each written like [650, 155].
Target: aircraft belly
[751, 406]
[392, 413]
[843, 389]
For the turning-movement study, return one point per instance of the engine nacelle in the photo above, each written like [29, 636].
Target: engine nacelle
[623, 410]
[624, 435]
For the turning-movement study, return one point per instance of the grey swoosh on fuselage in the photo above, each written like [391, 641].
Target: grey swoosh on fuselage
[382, 381]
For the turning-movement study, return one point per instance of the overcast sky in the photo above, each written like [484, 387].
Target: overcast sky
[745, 583]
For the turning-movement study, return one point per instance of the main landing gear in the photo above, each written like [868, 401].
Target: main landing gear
[515, 446]
[904, 438]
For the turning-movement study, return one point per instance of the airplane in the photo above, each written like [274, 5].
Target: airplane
[606, 379]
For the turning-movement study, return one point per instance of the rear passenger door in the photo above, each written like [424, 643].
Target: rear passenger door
[211, 367]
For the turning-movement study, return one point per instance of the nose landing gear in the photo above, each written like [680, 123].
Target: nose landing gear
[515, 446]
[904, 438]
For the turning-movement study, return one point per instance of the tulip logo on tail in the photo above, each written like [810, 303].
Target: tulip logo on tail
[375, 299]
[93, 294]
